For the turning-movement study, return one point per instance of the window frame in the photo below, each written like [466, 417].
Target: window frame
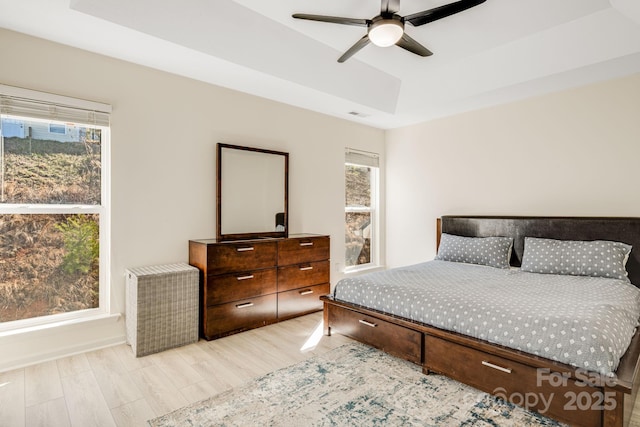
[373, 210]
[102, 209]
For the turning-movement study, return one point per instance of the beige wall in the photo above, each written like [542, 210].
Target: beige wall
[570, 153]
[164, 132]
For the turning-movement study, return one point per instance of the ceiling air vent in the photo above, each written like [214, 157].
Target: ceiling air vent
[357, 114]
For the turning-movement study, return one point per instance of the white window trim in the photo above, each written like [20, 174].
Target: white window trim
[103, 210]
[375, 220]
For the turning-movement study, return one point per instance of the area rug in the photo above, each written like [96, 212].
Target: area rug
[352, 385]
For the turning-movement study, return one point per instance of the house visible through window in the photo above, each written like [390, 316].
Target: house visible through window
[361, 210]
[53, 211]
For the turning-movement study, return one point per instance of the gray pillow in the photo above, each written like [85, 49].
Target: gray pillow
[597, 258]
[491, 251]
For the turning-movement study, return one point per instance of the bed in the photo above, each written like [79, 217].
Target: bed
[532, 331]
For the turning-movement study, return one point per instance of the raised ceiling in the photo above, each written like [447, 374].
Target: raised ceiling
[499, 51]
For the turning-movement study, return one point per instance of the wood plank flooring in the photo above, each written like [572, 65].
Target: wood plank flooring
[111, 387]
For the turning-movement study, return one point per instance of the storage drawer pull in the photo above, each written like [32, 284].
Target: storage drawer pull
[245, 305]
[306, 268]
[306, 244]
[307, 292]
[250, 248]
[499, 368]
[245, 277]
[364, 322]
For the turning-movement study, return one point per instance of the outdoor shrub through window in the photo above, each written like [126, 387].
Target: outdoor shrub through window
[49, 264]
[51, 204]
[361, 198]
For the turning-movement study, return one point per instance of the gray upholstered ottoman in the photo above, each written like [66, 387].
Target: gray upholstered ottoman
[161, 307]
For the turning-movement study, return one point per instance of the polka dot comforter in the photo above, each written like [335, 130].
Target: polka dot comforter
[587, 322]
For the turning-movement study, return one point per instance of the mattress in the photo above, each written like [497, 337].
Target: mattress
[586, 322]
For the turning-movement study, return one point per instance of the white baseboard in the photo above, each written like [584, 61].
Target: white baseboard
[53, 342]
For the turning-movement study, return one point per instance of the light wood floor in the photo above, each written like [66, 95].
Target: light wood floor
[110, 387]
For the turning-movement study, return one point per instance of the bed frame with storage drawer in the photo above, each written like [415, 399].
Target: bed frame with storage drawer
[557, 390]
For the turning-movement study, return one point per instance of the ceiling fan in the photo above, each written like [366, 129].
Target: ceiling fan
[387, 28]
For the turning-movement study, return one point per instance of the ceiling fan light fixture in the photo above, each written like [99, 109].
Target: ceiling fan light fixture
[386, 32]
[387, 28]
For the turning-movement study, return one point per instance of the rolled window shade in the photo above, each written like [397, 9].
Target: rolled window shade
[362, 158]
[28, 103]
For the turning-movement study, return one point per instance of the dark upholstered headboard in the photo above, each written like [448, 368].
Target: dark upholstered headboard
[626, 230]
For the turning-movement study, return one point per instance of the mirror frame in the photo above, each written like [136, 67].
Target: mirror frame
[250, 235]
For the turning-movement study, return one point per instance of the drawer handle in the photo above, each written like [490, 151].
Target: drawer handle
[245, 305]
[306, 244]
[245, 277]
[307, 292]
[499, 368]
[306, 268]
[250, 248]
[364, 322]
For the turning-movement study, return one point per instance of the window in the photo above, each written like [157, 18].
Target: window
[57, 128]
[53, 208]
[361, 210]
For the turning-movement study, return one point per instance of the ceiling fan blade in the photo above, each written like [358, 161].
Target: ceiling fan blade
[390, 6]
[355, 48]
[332, 19]
[440, 12]
[413, 46]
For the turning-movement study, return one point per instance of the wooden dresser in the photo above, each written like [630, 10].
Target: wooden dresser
[246, 284]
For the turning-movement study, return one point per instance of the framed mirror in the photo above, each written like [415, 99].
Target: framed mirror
[252, 193]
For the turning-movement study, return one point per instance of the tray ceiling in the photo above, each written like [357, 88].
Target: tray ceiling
[497, 52]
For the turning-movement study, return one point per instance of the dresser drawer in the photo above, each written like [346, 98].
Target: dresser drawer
[240, 315]
[521, 384]
[304, 249]
[237, 286]
[241, 256]
[396, 340]
[301, 301]
[300, 275]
